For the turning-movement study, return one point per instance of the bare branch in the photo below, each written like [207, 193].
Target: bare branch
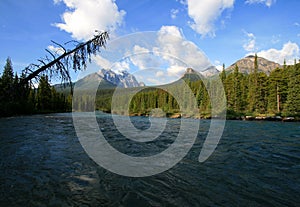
[53, 56]
[62, 47]
[41, 61]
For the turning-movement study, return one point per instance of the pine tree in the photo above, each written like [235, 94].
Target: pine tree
[262, 93]
[7, 80]
[223, 74]
[277, 90]
[44, 95]
[7, 89]
[253, 87]
[292, 107]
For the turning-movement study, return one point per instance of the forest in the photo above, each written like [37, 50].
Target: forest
[21, 99]
[254, 94]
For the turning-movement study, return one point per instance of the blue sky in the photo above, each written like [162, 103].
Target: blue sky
[225, 30]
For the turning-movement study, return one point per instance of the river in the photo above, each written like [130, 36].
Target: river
[42, 163]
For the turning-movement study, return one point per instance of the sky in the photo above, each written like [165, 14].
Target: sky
[164, 36]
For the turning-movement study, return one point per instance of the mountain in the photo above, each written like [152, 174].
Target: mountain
[109, 79]
[191, 75]
[246, 65]
[210, 71]
[122, 79]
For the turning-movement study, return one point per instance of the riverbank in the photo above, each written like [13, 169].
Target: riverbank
[228, 117]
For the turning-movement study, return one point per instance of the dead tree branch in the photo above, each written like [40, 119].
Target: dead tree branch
[76, 59]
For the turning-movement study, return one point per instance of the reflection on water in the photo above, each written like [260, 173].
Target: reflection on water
[43, 164]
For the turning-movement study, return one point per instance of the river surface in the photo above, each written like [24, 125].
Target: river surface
[42, 163]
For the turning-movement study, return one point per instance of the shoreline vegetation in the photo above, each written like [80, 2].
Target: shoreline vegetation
[261, 117]
[253, 96]
[17, 98]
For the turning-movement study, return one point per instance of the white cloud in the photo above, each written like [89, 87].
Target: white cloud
[205, 12]
[159, 74]
[117, 67]
[154, 81]
[250, 45]
[176, 70]
[170, 31]
[120, 66]
[83, 17]
[218, 65]
[276, 39]
[289, 52]
[268, 3]
[166, 50]
[183, 2]
[174, 13]
[144, 58]
[102, 62]
[140, 57]
[56, 50]
[178, 51]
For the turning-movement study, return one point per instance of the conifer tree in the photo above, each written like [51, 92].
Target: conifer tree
[292, 107]
[44, 95]
[253, 87]
[7, 89]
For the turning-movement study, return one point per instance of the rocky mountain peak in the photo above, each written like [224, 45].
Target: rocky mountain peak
[110, 79]
[122, 78]
[246, 65]
[189, 71]
[210, 71]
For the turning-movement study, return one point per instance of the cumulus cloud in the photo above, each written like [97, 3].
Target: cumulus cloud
[268, 3]
[84, 17]
[117, 67]
[166, 50]
[205, 12]
[250, 45]
[218, 65]
[170, 31]
[176, 70]
[178, 51]
[121, 66]
[289, 52]
[102, 62]
[159, 74]
[154, 81]
[142, 58]
[174, 13]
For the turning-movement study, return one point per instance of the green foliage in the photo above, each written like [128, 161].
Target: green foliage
[247, 94]
[292, 107]
[277, 90]
[17, 98]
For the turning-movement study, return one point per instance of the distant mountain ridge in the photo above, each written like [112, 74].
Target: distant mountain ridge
[246, 65]
[123, 79]
[109, 78]
[210, 71]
